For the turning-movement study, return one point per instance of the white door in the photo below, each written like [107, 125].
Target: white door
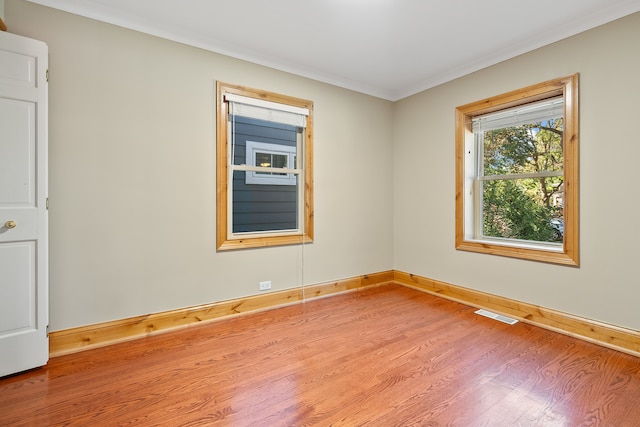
[24, 281]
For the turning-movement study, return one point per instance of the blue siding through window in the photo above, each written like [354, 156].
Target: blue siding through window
[260, 207]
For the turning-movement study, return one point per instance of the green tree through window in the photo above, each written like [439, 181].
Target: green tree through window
[531, 208]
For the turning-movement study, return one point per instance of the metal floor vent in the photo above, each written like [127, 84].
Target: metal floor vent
[496, 316]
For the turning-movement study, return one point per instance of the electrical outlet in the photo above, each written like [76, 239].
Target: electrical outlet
[265, 286]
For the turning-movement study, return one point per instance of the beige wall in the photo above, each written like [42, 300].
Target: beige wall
[606, 287]
[132, 175]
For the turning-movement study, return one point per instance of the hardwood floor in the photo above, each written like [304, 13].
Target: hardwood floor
[384, 356]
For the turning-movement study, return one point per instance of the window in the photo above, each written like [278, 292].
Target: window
[274, 156]
[264, 168]
[517, 173]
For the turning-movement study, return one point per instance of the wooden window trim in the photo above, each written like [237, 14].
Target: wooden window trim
[568, 88]
[306, 236]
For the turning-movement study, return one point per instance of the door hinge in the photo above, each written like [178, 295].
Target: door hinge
[47, 204]
[47, 330]
[47, 75]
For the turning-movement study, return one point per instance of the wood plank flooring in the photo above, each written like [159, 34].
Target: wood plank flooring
[383, 356]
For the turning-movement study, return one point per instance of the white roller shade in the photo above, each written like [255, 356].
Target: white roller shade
[266, 110]
[540, 111]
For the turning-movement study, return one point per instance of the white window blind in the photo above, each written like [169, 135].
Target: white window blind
[266, 110]
[540, 111]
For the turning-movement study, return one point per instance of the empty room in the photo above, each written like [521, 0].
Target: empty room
[332, 213]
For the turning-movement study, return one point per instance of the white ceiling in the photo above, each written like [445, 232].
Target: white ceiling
[386, 48]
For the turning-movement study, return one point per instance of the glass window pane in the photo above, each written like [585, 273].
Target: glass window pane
[271, 160]
[259, 208]
[279, 160]
[267, 138]
[525, 209]
[263, 160]
[529, 148]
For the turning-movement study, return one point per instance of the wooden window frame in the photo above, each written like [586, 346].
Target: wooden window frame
[569, 252]
[305, 235]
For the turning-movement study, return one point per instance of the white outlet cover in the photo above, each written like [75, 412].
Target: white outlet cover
[263, 286]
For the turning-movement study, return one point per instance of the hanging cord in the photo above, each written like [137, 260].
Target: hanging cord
[302, 285]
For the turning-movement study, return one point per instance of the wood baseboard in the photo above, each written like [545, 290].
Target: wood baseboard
[610, 336]
[99, 335]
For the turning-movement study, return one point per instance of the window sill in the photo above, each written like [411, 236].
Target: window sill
[262, 242]
[519, 244]
[532, 252]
